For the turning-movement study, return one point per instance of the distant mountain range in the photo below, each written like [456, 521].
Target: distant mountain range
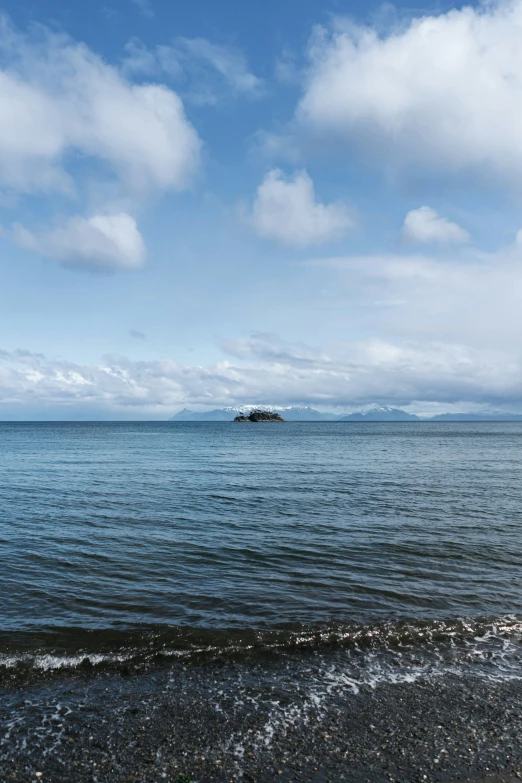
[379, 413]
[229, 414]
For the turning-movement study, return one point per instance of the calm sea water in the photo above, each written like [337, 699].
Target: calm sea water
[109, 531]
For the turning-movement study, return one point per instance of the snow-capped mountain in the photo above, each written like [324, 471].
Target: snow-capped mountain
[290, 413]
[306, 413]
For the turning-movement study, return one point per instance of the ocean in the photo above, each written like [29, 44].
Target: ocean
[301, 601]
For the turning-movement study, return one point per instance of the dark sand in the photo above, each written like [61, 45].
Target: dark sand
[258, 722]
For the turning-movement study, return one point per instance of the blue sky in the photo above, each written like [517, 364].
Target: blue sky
[207, 204]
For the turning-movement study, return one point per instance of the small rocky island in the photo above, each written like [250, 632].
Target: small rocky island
[259, 416]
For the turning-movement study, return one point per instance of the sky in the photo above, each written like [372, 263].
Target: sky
[291, 203]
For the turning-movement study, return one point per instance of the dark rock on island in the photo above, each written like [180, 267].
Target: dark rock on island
[259, 416]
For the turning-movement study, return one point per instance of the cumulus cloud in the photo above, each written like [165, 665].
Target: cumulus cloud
[62, 104]
[286, 210]
[445, 92]
[58, 98]
[99, 242]
[203, 68]
[426, 225]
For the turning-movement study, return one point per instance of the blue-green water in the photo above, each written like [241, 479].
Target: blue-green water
[243, 589]
[108, 530]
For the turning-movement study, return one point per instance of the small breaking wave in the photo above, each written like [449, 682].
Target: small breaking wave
[492, 646]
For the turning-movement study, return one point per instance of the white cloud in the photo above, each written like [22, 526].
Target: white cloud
[145, 7]
[381, 370]
[58, 99]
[436, 331]
[267, 370]
[467, 297]
[426, 225]
[230, 63]
[98, 242]
[142, 61]
[286, 210]
[286, 68]
[443, 93]
[201, 67]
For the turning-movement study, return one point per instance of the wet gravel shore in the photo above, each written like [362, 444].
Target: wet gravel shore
[268, 721]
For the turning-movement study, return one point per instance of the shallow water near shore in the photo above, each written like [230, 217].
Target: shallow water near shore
[277, 575]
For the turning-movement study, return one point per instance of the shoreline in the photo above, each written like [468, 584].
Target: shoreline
[275, 720]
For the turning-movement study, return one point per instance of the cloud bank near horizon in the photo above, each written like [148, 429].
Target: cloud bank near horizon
[262, 368]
